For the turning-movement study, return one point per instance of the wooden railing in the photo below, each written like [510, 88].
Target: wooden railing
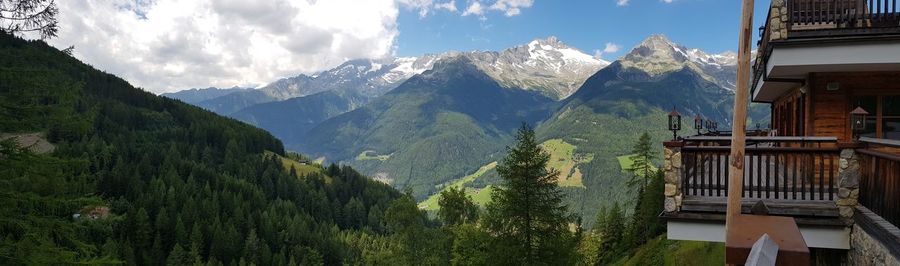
[879, 188]
[842, 13]
[794, 168]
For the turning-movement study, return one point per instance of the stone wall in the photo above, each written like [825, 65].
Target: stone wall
[778, 20]
[848, 185]
[672, 168]
[865, 250]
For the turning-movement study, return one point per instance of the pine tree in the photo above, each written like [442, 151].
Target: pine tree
[642, 158]
[527, 213]
[611, 234]
[456, 207]
[407, 222]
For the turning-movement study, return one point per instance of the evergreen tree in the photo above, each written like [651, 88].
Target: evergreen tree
[611, 234]
[26, 16]
[645, 223]
[178, 256]
[642, 158]
[407, 222]
[471, 246]
[527, 213]
[456, 207]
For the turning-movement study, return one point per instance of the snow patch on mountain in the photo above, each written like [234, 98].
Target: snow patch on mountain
[544, 65]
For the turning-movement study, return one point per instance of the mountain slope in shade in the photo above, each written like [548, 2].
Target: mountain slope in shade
[194, 96]
[444, 122]
[291, 119]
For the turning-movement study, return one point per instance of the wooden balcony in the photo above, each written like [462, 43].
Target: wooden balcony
[814, 23]
[816, 18]
[788, 168]
[879, 187]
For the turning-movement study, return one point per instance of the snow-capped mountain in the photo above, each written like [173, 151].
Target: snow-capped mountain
[657, 55]
[545, 65]
[363, 78]
[367, 77]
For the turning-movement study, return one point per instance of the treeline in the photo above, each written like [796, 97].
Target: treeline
[142, 180]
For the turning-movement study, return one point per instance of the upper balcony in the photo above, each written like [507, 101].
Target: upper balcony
[824, 36]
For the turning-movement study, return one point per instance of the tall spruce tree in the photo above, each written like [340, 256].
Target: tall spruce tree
[527, 213]
[642, 158]
[612, 235]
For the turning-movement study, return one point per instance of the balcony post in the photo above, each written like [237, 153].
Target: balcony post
[848, 181]
[672, 165]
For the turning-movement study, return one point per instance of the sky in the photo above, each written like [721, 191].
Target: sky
[170, 45]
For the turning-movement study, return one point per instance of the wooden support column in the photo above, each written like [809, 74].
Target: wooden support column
[741, 231]
[739, 120]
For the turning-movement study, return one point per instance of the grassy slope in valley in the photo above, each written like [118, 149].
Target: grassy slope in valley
[177, 180]
[564, 159]
[431, 203]
[626, 163]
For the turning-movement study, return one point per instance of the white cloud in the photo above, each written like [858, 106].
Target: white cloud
[166, 45]
[508, 7]
[423, 6]
[511, 7]
[449, 6]
[610, 48]
[622, 2]
[667, 1]
[474, 9]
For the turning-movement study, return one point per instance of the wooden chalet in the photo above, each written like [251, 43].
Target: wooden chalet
[831, 160]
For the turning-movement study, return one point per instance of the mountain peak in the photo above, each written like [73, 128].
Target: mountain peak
[549, 43]
[657, 41]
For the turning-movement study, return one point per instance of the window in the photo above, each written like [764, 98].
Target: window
[890, 117]
[883, 120]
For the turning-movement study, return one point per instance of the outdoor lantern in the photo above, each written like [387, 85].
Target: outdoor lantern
[674, 122]
[698, 123]
[858, 120]
[762, 31]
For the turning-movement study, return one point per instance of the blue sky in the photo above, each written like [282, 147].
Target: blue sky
[711, 25]
[170, 45]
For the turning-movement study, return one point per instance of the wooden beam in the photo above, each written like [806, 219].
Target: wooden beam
[739, 120]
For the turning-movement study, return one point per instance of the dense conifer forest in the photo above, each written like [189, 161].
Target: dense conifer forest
[182, 185]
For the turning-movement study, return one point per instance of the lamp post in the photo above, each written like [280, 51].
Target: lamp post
[698, 123]
[674, 123]
[858, 121]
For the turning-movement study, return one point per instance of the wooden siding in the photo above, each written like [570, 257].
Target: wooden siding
[829, 109]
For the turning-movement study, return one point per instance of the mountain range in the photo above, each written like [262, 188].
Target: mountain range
[426, 122]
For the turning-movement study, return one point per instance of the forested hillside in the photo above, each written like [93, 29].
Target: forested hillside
[449, 120]
[139, 179]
